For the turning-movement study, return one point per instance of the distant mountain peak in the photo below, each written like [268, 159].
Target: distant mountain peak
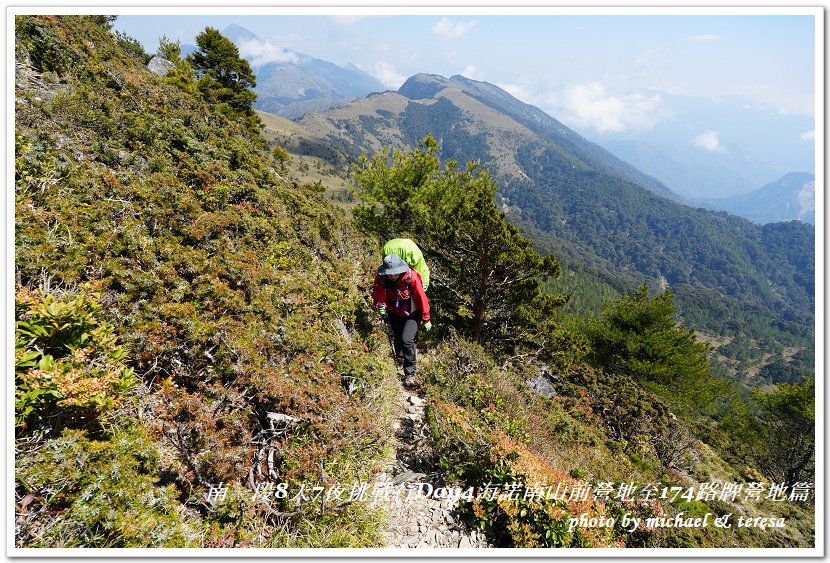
[422, 86]
[791, 197]
[290, 83]
[237, 33]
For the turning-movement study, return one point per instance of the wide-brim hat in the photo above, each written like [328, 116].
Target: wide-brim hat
[392, 264]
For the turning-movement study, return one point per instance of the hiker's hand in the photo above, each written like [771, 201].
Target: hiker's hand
[428, 326]
[382, 310]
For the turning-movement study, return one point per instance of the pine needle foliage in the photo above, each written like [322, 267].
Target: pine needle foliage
[639, 337]
[224, 78]
[487, 275]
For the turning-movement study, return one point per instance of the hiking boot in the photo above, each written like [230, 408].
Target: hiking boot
[410, 382]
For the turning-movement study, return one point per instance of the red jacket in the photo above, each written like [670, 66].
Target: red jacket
[403, 299]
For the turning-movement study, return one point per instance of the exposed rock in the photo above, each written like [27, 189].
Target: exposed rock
[542, 386]
[279, 420]
[543, 383]
[160, 66]
[416, 400]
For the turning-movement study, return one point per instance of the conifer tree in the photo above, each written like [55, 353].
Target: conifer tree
[788, 433]
[638, 336]
[490, 271]
[386, 188]
[182, 73]
[281, 156]
[224, 77]
[487, 275]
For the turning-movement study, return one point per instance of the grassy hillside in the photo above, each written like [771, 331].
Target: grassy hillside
[312, 159]
[196, 357]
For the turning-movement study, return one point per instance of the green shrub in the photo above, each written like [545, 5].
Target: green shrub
[478, 437]
[132, 46]
[475, 457]
[77, 492]
[68, 364]
[237, 294]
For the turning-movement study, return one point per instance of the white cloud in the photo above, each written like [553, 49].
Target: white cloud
[544, 98]
[704, 38]
[589, 105]
[517, 91]
[472, 72]
[809, 135]
[448, 29]
[259, 53]
[388, 75]
[708, 141]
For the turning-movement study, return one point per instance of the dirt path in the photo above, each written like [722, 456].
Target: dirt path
[416, 518]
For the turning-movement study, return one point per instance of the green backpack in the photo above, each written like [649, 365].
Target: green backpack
[411, 254]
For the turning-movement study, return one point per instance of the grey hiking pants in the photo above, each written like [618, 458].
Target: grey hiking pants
[404, 329]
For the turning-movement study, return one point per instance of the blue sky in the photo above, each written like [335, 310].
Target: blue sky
[597, 71]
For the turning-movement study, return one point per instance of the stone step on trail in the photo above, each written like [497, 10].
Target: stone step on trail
[417, 520]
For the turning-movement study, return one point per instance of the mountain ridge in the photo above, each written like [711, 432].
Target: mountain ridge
[591, 210]
[540, 123]
[297, 82]
[791, 197]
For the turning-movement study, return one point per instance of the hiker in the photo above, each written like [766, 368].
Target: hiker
[399, 291]
[411, 254]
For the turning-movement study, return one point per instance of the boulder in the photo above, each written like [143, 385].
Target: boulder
[160, 66]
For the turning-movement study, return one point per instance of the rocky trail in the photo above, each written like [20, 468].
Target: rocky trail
[418, 520]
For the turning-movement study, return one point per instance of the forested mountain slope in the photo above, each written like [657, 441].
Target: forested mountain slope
[590, 208]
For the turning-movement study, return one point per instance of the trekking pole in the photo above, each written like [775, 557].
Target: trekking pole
[388, 326]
